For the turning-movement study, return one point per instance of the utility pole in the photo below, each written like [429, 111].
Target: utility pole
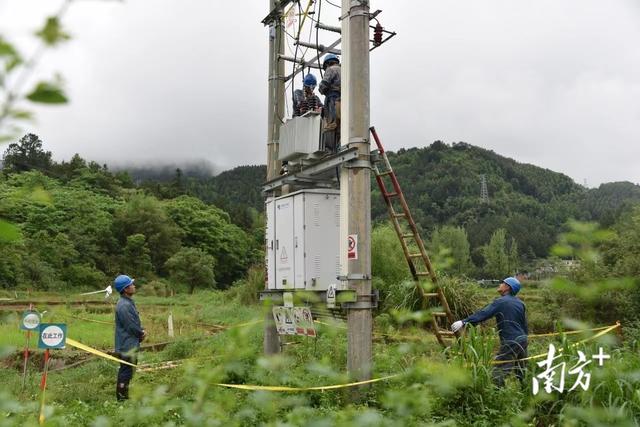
[356, 186]
[275, 113]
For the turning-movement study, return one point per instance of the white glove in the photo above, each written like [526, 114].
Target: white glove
[108, 292]
[456, 326]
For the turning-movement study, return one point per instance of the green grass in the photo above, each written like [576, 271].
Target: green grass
[433, 387]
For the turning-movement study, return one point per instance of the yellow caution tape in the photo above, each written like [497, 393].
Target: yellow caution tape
[413, 337]
[318, 388]
[76, 344]
[88, 320]
[552, 334]
[539, 356]
[240, 325]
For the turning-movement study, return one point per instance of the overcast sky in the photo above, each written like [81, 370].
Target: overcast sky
[555, 83]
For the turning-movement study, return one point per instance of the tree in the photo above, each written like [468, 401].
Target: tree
[387, 260]
[26, 154]
[209, 228]
[455, 241]
[622, 252]
[495, 255]
[145, 215]
[137, 260]
[513, 257]
[192, 266]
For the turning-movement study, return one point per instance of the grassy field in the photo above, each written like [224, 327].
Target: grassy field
[433, 387]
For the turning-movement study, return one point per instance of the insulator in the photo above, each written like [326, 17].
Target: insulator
[304, 106]
[377, 35]
[311, 103]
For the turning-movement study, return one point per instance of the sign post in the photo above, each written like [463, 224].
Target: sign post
[30, 321]
[52, 335]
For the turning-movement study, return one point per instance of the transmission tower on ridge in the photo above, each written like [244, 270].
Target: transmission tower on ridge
[484, 193]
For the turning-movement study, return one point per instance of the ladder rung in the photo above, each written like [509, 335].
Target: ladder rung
[422, 273]
[409, 236]
[385, 173]
[390, 194]
[445, 332]
[439, 314]
[399, 215]
[432, 294]
[415, 255]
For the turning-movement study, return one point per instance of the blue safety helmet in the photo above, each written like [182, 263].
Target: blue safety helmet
[329, 57]
[514, 284]
[122, 282]
[310, 80]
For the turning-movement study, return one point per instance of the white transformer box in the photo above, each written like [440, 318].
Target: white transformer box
[303, 240]
[300, 137]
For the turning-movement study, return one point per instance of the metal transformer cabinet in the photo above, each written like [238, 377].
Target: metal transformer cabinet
[300, 137]
[302, 237]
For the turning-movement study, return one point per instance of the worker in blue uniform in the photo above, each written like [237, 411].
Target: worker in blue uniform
[129, 333]
[511, 318]
[330, 87]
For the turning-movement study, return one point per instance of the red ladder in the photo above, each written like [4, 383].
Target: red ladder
[407, 235]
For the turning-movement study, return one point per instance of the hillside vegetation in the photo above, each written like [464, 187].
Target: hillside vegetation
[76, 224]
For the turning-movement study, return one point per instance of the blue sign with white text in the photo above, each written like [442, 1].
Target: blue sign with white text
[52, 335]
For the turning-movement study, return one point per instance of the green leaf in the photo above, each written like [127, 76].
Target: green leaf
[9, 54]
[52, 32]
[21, 114]
[7, 49]
[48, 93]
[12, 63]
[8, 232]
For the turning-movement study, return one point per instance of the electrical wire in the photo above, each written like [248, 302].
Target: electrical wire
[295, 55]
[318, 40]
[334, 5]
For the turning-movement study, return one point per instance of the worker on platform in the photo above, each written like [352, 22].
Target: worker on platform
[330, 88]
[511, 317]
[305, 100]
[129, 333]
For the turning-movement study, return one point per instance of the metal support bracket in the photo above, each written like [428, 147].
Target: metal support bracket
[358, 139]
[354, 276]
[364, 302]
[358, 164]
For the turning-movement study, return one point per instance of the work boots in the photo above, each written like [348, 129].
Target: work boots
[122, 391]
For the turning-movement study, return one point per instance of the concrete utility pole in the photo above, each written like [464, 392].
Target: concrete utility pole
[356, 182]
[275, 113]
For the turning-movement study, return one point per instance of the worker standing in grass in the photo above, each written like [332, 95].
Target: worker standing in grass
[330, 88]
[511, 317]
[129, 333]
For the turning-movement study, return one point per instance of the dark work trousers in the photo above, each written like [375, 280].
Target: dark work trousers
[512, 351]
[331, 122]
[125, 373]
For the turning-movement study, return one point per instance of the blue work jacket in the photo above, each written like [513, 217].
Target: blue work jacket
[510, 314]
[128, 327]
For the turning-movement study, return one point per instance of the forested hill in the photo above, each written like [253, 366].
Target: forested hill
[442, 184]
[77, 222]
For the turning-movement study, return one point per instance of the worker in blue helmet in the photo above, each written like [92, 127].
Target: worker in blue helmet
[129, 333]
[330, 88]
[305, 100]
[511, 318]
